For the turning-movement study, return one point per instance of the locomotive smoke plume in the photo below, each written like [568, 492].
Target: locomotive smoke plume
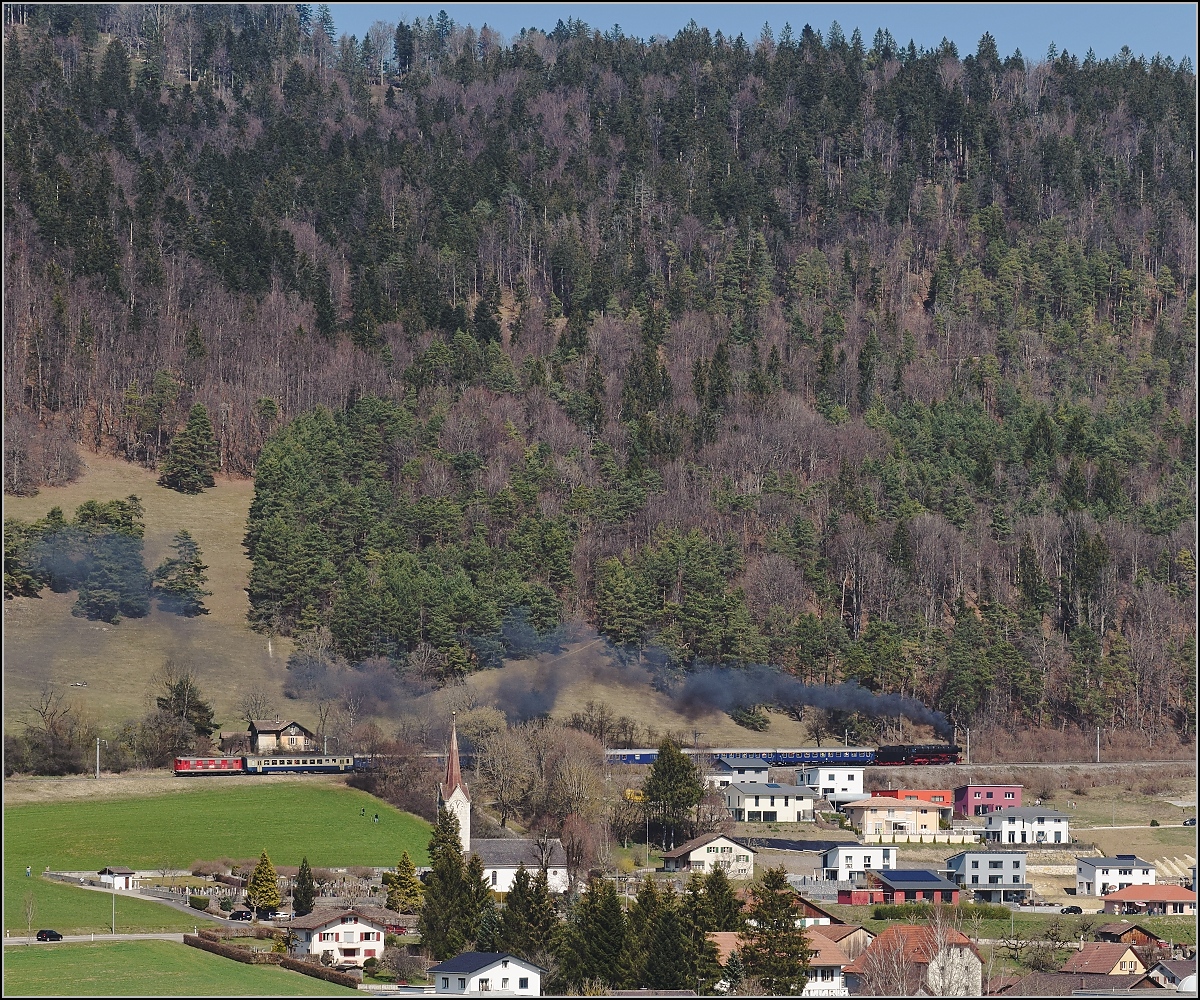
[722, 689]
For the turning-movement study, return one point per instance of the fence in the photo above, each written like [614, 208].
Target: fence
[941, 837]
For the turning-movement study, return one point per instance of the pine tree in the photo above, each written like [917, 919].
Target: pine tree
[305, 891]
[542, 916]
[772, 945]
[514, 921]
[724, 907]
[596, 943]
[192, 459]
[262, 889]
[405, 892]
[180, 579]
[667, 957]
[674, 786]
[442, 930]
[476, 901]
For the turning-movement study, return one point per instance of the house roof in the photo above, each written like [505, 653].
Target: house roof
[477, 961]
[1152, 894]
[916, 943]
[726, 942]
[981, 851]
[825, 951]
[912, 878]
[744, 763]
[1124, 927]
[839, 932]
[1063, 984]
[1128, 860]
[322, 916]
[510, 852]
[1101, 956]
[1180, 968]
[276, 726]
[116, 870]
[1025, 812]
[703, 841]
[772, 788]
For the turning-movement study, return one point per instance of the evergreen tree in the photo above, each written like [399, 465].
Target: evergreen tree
[192, 459]
[305, 891]
[514, 920]
[183, 700]
[476, 901]
[596, 942]
[667, 957]
[724, 908]
[772, 945]
[404, 889]
[262, 888]
[643, 919]
[735, 972]
[488, 936]
[542, 916]
[674, 786]
[441, 925]
[180, 579]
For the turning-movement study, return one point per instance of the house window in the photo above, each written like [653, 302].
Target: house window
[974, 864]
[1016, 880]
[369, 953]
[989, 795]
[495, 877]
[974, 880]
[1017, 863]
[1010, 795]
[329, 936]
[995, 864]
[523, 983]
[754, 817]
[445, 982]
[978, 795]
[484, 985]
[462, 983]
[770, 816]
[504, 983]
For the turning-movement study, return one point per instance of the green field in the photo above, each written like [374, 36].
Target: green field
[147, 968]
[287, 819]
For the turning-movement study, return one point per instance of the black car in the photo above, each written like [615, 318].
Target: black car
[49, 936]
[1190, 821]
[241, 915]
[1072, 909]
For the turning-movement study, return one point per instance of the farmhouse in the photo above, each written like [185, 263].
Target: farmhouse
[1151, 899]
[769, 803]
[266, 735]
[834, 783]
[476, 972]
[1127, 933]
[724, 771]
[1100, 876]
[993, 876]
[712, 850]
[851, 862]
[348, 936]
[1027, 825]
[1107, 958]
[979, 800]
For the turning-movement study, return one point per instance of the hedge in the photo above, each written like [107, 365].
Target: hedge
[907, 911]
[319, 972]
[198, 902]
[243, 955]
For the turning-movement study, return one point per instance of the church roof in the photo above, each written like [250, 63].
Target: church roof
[512, 853]
[454, 778]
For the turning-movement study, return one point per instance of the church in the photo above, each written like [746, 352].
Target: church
[501, 856]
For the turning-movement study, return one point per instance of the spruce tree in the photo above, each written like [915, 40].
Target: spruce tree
[404, 889]
[596, 943]
[724, 908]
[674, 787]
[180, 579]
[772, 945]
[192, 459]
[643, 919]
[667, 957]
[543, 918]
[305, 892]
[441, 922]
[262, 889]
[514, 920]
[476, 901]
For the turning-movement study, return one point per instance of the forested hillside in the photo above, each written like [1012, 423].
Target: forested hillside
[870, 361]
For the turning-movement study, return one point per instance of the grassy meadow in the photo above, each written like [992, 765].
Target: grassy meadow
[236, 819]
[148, 969]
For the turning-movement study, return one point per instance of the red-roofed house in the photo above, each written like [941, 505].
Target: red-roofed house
[1151, 899]
[1107, 958]
[910, 958]
[825, 964]
[853, 939]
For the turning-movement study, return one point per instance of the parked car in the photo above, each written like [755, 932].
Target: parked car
[1072, 909]
[49, 936]
[1190, 821]
[241, 915]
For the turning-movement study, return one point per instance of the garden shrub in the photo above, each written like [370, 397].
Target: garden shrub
[198, 902]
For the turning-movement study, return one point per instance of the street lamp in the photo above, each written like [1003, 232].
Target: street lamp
[98, 742]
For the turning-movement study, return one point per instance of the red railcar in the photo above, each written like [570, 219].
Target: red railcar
[210, 765]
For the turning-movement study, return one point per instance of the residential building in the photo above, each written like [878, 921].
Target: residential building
[853, 939]
[1151, 899]
[769, 803]
[992, 876]
[917, 960]
[1027, 825]
[851, 862]
[476, 972]
[835, 783]
[1100, 876]
[349, 936]
[119, 877]
[1107, 958]
[1065, 984]
[1174, 973]
[943, 798]
[826, 962]
[266, 735]
[979, 800]
[901, 885]
[712, 850]
[1127, 933]
[877, 815]
[503, 857]
[725, 771]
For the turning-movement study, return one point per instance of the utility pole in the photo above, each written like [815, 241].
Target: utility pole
[1097, 744]
[98, 742]
[968, 746]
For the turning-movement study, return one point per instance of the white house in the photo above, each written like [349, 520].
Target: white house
[712, 850]
[834, 783]
[995, 876]
[503, 857]
[724, 771]
[851, 862]
[1100, 876]
[351, 936]
[770, 803]
[475, 972]
[1027, 825]
[119, 877]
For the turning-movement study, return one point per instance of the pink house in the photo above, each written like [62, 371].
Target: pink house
[979, 800]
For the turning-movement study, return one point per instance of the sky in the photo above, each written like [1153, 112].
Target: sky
[1147, 28]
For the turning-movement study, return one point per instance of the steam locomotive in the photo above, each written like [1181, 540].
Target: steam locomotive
[292, 763]
[942, 753]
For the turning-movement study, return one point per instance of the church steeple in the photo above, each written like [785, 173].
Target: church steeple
[452, 793]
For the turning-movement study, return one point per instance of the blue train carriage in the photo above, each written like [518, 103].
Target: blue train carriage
[303, 763]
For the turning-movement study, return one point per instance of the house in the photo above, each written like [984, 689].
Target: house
[1127, 933]
[825, 964]
[266, 735]
[1106, 958]
[916, 959]
[851, 862]
[724, 771]
[834, 783]
[1175, 972]
[879, 816]
[1065, 984]
[712, 850]
[1027, 825]
[769, 803]
[1100, 876]
[502, 858]
[119, 877]
[1151, 899]
[901, 885]
[942, 798]
[979, 800]
[350, 936]
[853, 939]
[993, 876]
[475, 972]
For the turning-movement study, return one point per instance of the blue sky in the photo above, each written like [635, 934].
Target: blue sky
[1147, 28]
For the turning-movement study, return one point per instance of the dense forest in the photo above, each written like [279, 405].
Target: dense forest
[874, 362]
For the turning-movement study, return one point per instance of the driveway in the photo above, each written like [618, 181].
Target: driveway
[88, 938]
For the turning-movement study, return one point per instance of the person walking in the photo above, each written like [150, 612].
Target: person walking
[377, 817]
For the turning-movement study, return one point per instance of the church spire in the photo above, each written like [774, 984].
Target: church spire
[452, 793]
[454, 778]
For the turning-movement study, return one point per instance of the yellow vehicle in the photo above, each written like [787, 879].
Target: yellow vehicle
[634, 795]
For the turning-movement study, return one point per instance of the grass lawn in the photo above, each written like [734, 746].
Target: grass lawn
[237, 820]
[147, 968]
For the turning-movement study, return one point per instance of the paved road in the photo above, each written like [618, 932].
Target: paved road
[101, 938]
